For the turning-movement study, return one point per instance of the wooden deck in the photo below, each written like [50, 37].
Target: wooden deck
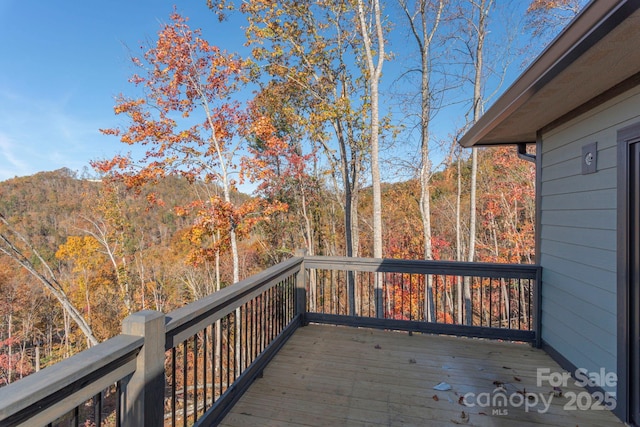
[339, 376]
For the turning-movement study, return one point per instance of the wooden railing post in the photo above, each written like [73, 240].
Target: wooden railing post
[144, 390]
[301, 287]
[537, 309]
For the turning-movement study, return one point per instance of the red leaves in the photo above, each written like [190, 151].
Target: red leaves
[106, 166]
[215, 218]
[547, 5]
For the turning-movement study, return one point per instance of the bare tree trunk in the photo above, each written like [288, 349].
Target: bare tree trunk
[67, 334]
[310, 250]
[37, 357]
[374, 73]
[507, 308]
[10, 350]
[423, 35]
[111, 249]
[459, 295]
[482, 11]
[50, 283]
[472, 205]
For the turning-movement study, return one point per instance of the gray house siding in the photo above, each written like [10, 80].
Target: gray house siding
[578, 235]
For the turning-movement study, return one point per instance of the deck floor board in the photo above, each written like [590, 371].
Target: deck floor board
[340, 376]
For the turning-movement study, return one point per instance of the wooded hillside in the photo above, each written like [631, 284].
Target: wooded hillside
[113, 252]
[300, 119]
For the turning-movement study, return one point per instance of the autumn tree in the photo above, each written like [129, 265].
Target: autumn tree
[107, 224]
[83, 253]
[310, 45]
[545, 18]
[282, 170]
[14, 245]
[507, 207]
[189, 125]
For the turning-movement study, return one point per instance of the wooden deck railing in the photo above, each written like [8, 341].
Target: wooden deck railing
[183, 368]
[188, 367]
[459, 298]
[219, 344]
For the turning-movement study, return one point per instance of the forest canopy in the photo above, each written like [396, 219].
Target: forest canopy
[79, 253]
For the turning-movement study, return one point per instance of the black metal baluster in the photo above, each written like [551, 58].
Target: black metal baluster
[173, 386]
[195, 378]
[230, 346]
[97, 409]
[184, 383]
[119, 402]
[76, 416]
[205, 364]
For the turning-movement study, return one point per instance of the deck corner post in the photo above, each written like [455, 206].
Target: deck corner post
[144, 390]
[301, 288]
[537, 310]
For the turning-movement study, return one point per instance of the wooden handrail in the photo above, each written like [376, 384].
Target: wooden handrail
[55, 390]
[452, 268]
[186, 321]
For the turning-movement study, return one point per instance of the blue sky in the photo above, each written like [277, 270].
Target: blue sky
[61, 65]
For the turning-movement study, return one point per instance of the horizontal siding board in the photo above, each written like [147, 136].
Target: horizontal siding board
[596, 324]
[607, 154]
[597, 199]
[598, 258]
[568, 146]
[615, 113]
[571, 338]
[600, 219]
[556, 167]
[604, 179]
[553, 332]
[565, 324]
[580, 278]
[564, 168]
[601, 239]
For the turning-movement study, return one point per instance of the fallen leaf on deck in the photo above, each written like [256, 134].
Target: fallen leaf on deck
[377, 347]
[464, 419]
[442, 386]
[412, 360]
[461, 401]
[506, 367]
[482, 413]
[435, 397]
[517, 379]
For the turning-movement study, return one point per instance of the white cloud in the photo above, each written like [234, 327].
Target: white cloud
[43, 134]
[10, 164]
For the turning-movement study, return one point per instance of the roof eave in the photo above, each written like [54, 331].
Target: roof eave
[587, 29]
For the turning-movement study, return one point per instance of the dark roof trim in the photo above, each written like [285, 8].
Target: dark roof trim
[597, 19]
